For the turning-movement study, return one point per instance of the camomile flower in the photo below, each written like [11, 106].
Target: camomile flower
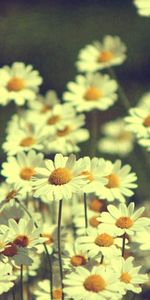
[129, 275]
[42, 291]
[6, 277]
[18, 83]
[92, 91]
[124, 219]
[79, 220]
[98, 284]
[66, 140]
[116, 139]
[23, 166]
[7, 192]
[24, 140]
[10, 210]
[138, 121]
[59, 179]
[74, 257]
[42, 104]
[143, 7]
[100, 241]
[120, 183]
[98, 56]
[57, 118]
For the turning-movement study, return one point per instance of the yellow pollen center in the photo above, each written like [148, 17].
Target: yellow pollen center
[16, 84]
[94, 283]
[93, 221]
[124, 222]
[113, 181]
[60, 176]
[45, 108]
[147, 121]
[53, 120]
[88, 175]
[49, 237]
[26, 142]
[64, 131]
[27, 173]
[93, 94]
[97, 205]
[11, 195]
[105, 56]
[57, 294]
[104, 240]
[78, 260]
[21, 241]
[125, 277]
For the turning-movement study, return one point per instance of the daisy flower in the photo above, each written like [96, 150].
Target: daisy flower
[18, 83]
[23, 166]
[98, 284]
[10, 210]
[145, 143]
[124, 219]
[117, 140]
[6, 277]
[143, 239]
[143, 7]
[74, 257]
[98, 56]
[100, 241]
[120, 183]
[138, 121]
[7, 192]
[42, 291]
[129, 274]
[59, 179]
[65, 140]
[43, 104]
[92, 91]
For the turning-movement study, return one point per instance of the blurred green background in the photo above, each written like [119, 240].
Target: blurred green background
[49, 34]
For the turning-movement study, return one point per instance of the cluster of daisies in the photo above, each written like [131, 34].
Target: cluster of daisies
[68, 226]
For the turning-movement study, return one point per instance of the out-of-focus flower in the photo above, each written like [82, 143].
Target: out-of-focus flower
[6, 277]
[143, 7]
[18, 83]
[138, 121]
[92, 91]
[117, 139]
[42, 104]
[98, 56]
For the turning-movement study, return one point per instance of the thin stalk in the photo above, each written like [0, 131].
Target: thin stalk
[21, 282]
[46, 251]
[102, 259]
[13, 293]
[59, 243]
[93, 132]
[85, 211]
[123, 244]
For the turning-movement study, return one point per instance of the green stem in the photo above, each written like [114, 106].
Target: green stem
[59, 244]
[123, 244]
[85, 211]
[21, 282]
[13, 293]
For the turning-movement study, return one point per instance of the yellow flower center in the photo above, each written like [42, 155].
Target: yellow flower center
[26, 142]
[105, 56]
[104, 240]
[49, 237]
[16, 84]
[21, 241]
[45, 108]
[78, 260]
[53, 120]
[147, 121]
[97, 205]
[93, 94]
[11, 195]
[93, 221]
[27, 173]
[57, 294]
[124, 222]
[94, 283]
[113, 181]
[60, 176]
[64, 131]
[125, 277]
[88, 175]
[124, 136]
